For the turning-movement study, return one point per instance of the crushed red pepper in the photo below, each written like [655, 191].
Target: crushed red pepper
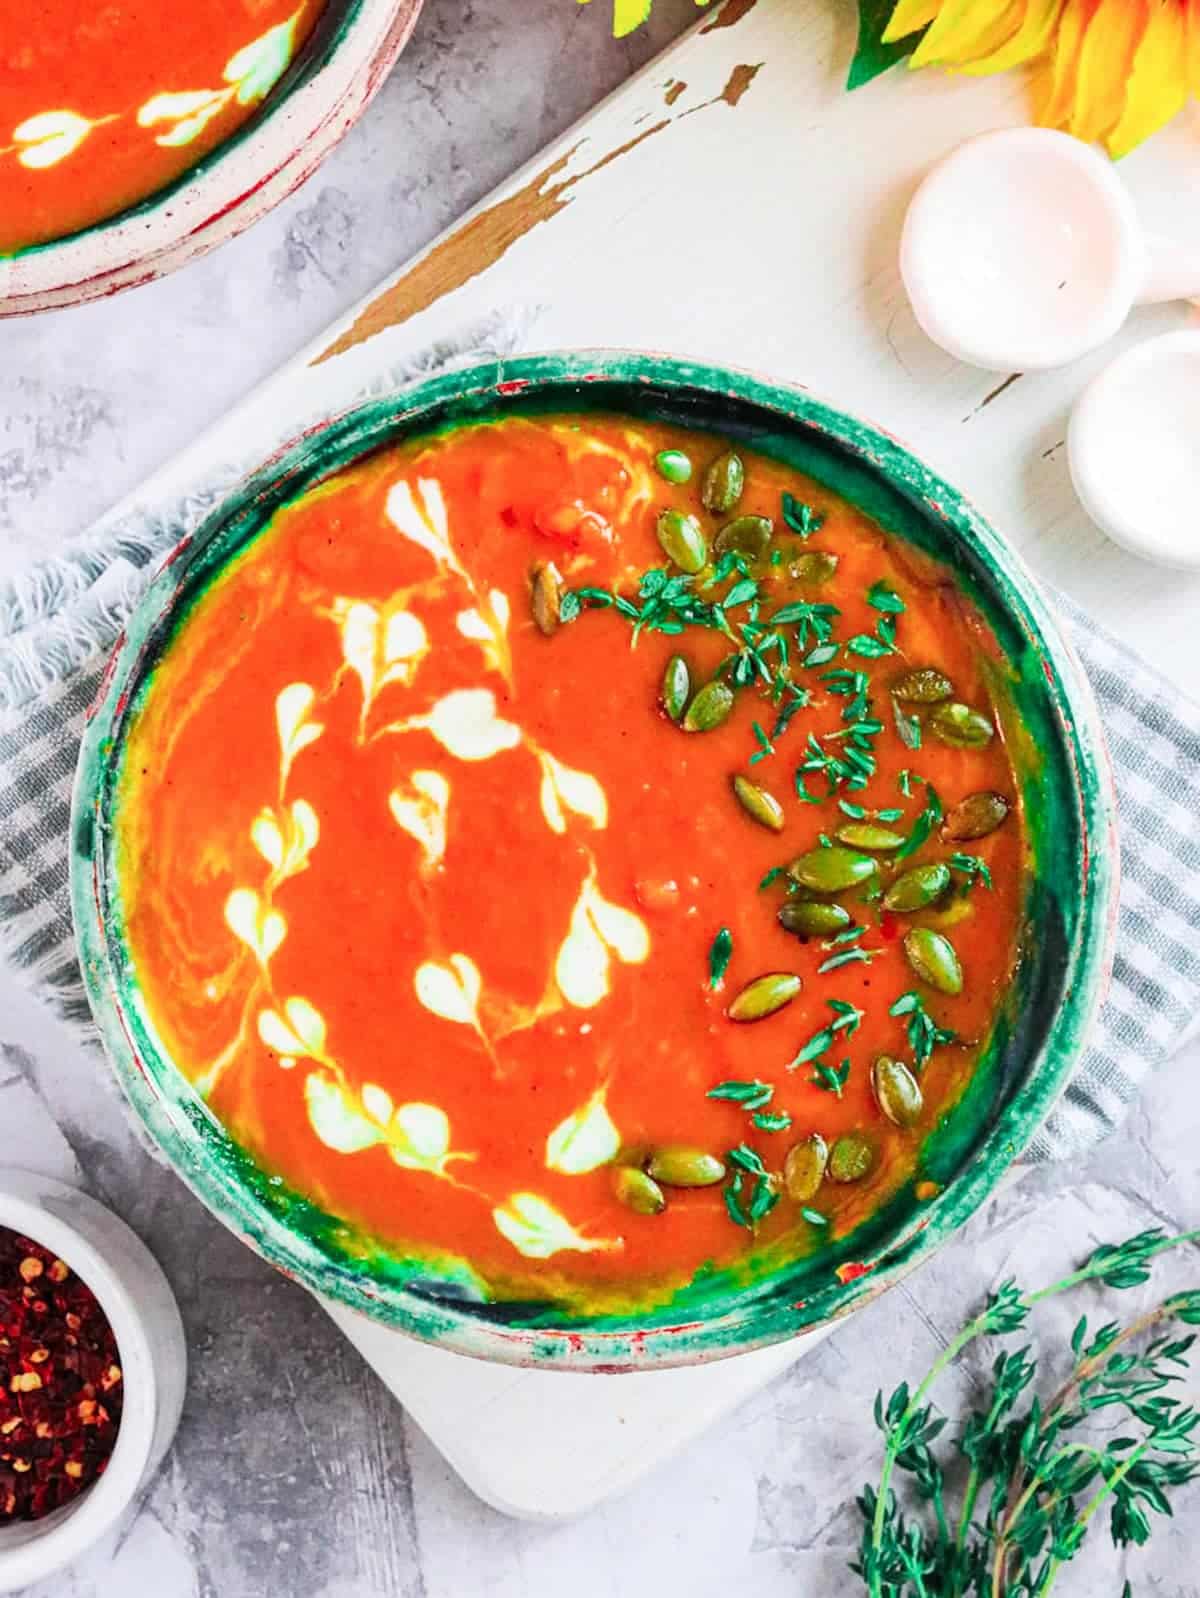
[60, 1382]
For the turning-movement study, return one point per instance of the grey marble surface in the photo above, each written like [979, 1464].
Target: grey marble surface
[294, 1473]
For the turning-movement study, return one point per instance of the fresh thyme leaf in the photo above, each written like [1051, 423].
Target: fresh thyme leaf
[972, 868]
[719, 956]
[847, 935]
[772, 876]
[740, 594]
[884, 597]
[831, 1078]
[753, 1095]
[817, 1045]
[905, 781]
[847, 1018]
[869, 647]
[908, 726]
[855, 812]
[801, 518]
[724, 568]
[814, 1217]
[847, 957]
[924, 1034]
[747, 1159]
[765, 746]
[888, 815]
[763, 1197]
[772, 1121]
[798, 700]
[928, 819]
[733, 1204]
[821, 655]
[810, 619]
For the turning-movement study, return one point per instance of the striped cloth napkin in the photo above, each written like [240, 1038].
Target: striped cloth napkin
[59, 620]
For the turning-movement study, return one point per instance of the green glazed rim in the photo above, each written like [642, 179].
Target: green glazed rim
[1069, 913]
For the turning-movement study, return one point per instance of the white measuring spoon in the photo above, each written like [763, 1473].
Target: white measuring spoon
[1022, 250]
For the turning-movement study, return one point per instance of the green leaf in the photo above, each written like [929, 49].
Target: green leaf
[719, 956]
[873, 56]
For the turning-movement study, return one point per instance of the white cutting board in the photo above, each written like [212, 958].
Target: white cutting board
[731, 203]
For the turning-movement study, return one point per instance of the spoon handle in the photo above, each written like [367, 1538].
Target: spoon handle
[1173, 271]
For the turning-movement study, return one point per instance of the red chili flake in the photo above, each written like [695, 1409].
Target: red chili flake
[57, 1353]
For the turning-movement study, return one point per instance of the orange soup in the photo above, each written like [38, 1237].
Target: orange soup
[578, 848]
[103, 104]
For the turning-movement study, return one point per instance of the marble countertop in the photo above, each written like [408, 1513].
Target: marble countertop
[294, 1473]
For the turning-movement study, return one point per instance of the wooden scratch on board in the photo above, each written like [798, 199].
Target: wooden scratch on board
[487, 237]
[674, 89]
[733, 11]
[994, 395]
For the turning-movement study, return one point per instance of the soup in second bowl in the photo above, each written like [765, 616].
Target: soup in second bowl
[576, 852]
[101, 105]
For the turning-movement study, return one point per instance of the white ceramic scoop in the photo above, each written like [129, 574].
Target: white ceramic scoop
[1023, 250]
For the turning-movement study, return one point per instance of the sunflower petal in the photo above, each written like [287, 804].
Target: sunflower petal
[1054, 81]
[1030, 39]
[965, 28]
[1105, 61]
[910, 16]
[1158, 84]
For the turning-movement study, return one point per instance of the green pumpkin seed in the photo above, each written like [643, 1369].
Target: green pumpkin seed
[934, 960]
[637, 1191]
[764, 996]
[682, 540]
[674, 465]
[811, 919]
[723, 483]
[866, 835]
[748, 535]
[677, 1166]
[917, 888]
[975, 816]
[832, 870]
[545, 597]
[897, 1091]
[961, 727]
[813, 566]
[709, 709]
[676, 686]
[804, 1168]
[851, 1157]
[758, 803]
[923, 686]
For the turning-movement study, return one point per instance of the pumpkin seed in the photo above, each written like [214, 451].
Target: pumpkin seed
[897, 1091]
[709, 709]
[682, 540]
[923, 686]
[723, 483]
[961, 727]
[810, 919]
[676, 686]
[832, 870]
[637, 1191]
[674, 465]
[545, 597]
[677, 1166]
[934, 960]
[866, 835]
[758, 803]
[764, 996]
[804, 1168]
[851, 1157]
[975, 816]
[813, 566]
[917, 888]
[748, 535]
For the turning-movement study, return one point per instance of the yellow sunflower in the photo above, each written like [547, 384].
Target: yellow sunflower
[1112, 71]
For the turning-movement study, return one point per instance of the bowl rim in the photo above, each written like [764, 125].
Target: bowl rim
[234, 184]
[66, 1533]
[747, 1322]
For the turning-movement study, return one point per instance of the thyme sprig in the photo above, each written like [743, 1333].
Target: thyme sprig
[1033, 1486]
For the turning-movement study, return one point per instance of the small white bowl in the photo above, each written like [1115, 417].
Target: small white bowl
[134, 1294]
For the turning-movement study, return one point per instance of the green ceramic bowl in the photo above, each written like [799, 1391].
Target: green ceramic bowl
[1069, 912]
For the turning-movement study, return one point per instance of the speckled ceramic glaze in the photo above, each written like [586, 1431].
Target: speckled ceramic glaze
[320, 97]
[1069, 913]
